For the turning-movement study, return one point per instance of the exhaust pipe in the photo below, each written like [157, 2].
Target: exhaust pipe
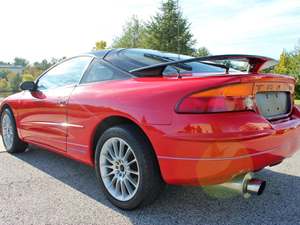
[246, 185]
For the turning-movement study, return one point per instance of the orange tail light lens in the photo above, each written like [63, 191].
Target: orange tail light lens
[238, 97]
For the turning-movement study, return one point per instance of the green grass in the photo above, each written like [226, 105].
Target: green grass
[297, 102]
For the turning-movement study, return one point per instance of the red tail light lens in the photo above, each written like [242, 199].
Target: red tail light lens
[212, 104]
[225, 99]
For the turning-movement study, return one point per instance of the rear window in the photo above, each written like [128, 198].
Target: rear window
[142, 57]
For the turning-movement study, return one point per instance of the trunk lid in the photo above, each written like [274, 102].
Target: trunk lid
[270, 95]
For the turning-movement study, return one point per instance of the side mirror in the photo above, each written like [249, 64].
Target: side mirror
[28, 85]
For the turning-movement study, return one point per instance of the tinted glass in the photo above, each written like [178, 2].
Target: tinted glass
[102, 72]
[66, 73]
[136, 58]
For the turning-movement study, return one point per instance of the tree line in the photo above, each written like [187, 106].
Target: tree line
[10, 81]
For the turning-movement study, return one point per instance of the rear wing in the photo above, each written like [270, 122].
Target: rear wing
[256, 63]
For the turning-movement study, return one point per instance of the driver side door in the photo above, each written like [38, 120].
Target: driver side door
[42, 115]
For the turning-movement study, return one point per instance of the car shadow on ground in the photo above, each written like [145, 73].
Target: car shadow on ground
[184, 205]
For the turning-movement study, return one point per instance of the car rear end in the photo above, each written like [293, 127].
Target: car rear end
[216, 122]
[241, 126]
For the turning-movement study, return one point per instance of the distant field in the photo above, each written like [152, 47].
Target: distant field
[297, 102]
[4, 94]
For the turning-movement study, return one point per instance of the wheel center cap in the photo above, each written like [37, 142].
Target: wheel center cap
[122, 168]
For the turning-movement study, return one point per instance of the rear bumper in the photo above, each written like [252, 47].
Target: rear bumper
[185, 160]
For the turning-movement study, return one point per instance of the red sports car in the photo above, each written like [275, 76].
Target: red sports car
[144, 118]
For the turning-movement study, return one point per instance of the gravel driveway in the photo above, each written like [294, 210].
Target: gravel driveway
[39, 187]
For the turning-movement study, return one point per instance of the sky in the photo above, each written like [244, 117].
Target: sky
[39, 29]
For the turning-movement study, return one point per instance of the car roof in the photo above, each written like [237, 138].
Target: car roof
[99, 53]
[102, 53]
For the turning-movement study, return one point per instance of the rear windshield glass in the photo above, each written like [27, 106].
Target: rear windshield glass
[142, 57]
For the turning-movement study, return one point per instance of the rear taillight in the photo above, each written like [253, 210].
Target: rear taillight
[237, 97]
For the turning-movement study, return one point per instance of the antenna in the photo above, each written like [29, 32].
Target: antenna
[178, 41]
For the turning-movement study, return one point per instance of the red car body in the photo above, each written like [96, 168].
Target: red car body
[191, 148]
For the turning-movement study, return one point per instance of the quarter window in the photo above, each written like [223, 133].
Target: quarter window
[101, 72]
[66, 73]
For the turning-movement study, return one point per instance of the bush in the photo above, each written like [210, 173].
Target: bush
[297, 90]
[27, 77]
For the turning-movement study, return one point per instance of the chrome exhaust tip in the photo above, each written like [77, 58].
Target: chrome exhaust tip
[256, 186]
[246, 185]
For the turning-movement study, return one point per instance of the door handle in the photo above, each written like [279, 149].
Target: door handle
[37, 100]
[62, 101]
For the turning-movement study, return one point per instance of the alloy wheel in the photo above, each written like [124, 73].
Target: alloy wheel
[119, 169]
[7, 131]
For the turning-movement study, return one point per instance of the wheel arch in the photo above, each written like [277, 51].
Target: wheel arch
[115, 121]
[5, 106]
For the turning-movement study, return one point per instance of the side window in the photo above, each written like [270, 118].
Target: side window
[101, 72]
[66, 73]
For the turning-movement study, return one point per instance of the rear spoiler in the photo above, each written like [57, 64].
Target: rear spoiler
[256, 63]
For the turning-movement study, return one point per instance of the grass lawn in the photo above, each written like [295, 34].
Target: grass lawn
[297, 102]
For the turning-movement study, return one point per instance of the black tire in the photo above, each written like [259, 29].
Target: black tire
[151, 183]
[17, 146]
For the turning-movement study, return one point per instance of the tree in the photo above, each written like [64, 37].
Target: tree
[56, 60]
[281, 67]
[27, 77]
[3, 84]
[293, 67]
[99, 45]
[34, 71]
[14, 81]
[169, 31]
[4, 63]
[289, 64]
[20, 62]
[3, 73]
[200, 52]
[294, 62]
[132, 36]
[43, 65]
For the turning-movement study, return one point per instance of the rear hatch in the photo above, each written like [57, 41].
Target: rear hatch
[269, 95]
